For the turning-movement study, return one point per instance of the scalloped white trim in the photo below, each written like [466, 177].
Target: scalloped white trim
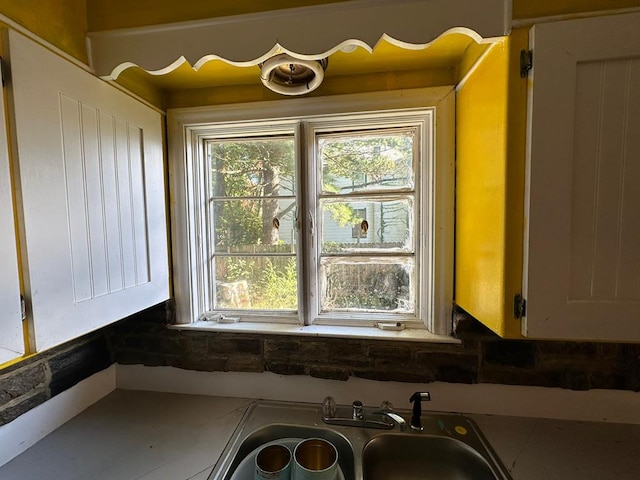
[309, 33]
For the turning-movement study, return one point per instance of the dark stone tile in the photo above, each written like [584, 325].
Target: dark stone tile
[515, 353]
[140, 357]
[285, 368]
[456, 374]
[227, 345]
[14, 410]
[20, 382]
[245, 363]
[515, 376]
[576, 380]
[391, 352]
[77, 363]
[201, 363]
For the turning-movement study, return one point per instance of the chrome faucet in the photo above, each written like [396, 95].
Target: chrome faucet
[402, 425]
[359, 419]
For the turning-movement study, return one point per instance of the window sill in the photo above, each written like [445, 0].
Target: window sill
[408, 335]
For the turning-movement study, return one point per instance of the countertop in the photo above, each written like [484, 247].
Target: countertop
[147, 435]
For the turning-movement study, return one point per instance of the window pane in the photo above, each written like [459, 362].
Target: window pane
[371, 225]
[256, 283]
[358, 162]
[374, 285]
[252, 167]
[254, 226]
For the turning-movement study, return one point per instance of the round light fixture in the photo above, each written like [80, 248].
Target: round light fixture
[287, 75]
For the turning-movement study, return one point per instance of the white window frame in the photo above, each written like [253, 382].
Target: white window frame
[189, 127]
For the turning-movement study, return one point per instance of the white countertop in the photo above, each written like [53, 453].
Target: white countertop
[162, 436]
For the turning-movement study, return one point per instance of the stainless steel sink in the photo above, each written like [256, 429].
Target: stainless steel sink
[449, 447]
[409, 457]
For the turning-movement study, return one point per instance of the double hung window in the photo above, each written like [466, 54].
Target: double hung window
[326, 219]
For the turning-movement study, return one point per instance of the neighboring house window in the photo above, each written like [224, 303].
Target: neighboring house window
[361, 224]
[318, 219]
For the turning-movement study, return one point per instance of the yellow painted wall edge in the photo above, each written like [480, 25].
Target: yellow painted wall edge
[63, 23]
[490, 155]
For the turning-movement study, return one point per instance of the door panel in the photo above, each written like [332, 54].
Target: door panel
[92, 178]
[582, 273]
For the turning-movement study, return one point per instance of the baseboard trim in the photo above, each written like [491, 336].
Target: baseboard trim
[614, 406]
[31, 427]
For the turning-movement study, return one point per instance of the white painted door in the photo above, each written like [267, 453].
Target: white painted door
[92, 190]
[11, 336]
[582, 245]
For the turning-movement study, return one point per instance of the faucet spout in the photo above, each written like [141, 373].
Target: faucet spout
[402, 425]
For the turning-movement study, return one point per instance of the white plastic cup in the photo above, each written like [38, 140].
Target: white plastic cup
[273, 462]
[315, 459]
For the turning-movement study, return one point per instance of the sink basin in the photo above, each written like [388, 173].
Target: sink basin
[278, 431]
[408, 457]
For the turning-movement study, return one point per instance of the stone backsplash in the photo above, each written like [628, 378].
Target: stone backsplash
[481, 357]
[29, 383]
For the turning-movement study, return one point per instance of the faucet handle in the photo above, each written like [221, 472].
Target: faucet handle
[417, 398]
[358, 410]
[386, 406]
[329, 407]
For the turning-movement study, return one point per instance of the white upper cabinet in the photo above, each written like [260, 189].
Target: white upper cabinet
[92, 191]
[11, 335]
[582, 244]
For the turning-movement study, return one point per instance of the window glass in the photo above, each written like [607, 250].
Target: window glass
[252, 221]
[367, 221]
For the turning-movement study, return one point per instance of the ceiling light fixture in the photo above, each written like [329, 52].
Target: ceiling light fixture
[288, 75]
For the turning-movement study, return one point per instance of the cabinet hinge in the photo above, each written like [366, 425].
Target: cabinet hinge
[519, 307]
[526, 62]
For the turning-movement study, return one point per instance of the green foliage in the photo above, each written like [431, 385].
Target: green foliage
[357, 162]
[278, 287]
[249, 168]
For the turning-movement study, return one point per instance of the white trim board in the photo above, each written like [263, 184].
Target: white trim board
[31, 427]
[302, 31]
[612, 406]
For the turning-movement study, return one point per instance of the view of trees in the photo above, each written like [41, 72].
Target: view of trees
[253, 203]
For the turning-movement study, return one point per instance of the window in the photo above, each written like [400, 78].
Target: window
[329, 218]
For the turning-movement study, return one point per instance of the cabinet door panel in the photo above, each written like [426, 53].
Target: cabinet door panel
[582, 278]
[91, 171]
[11, 336]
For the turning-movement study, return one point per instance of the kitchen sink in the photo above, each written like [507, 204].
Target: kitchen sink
[409, 457]
[449, 446]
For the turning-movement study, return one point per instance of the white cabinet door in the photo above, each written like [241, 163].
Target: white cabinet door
[582, 247]
[92, 190]
[11, 336]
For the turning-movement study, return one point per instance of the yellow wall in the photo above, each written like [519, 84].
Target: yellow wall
[110, 14]
[490, 116]
[542, 8]
[63, 23]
